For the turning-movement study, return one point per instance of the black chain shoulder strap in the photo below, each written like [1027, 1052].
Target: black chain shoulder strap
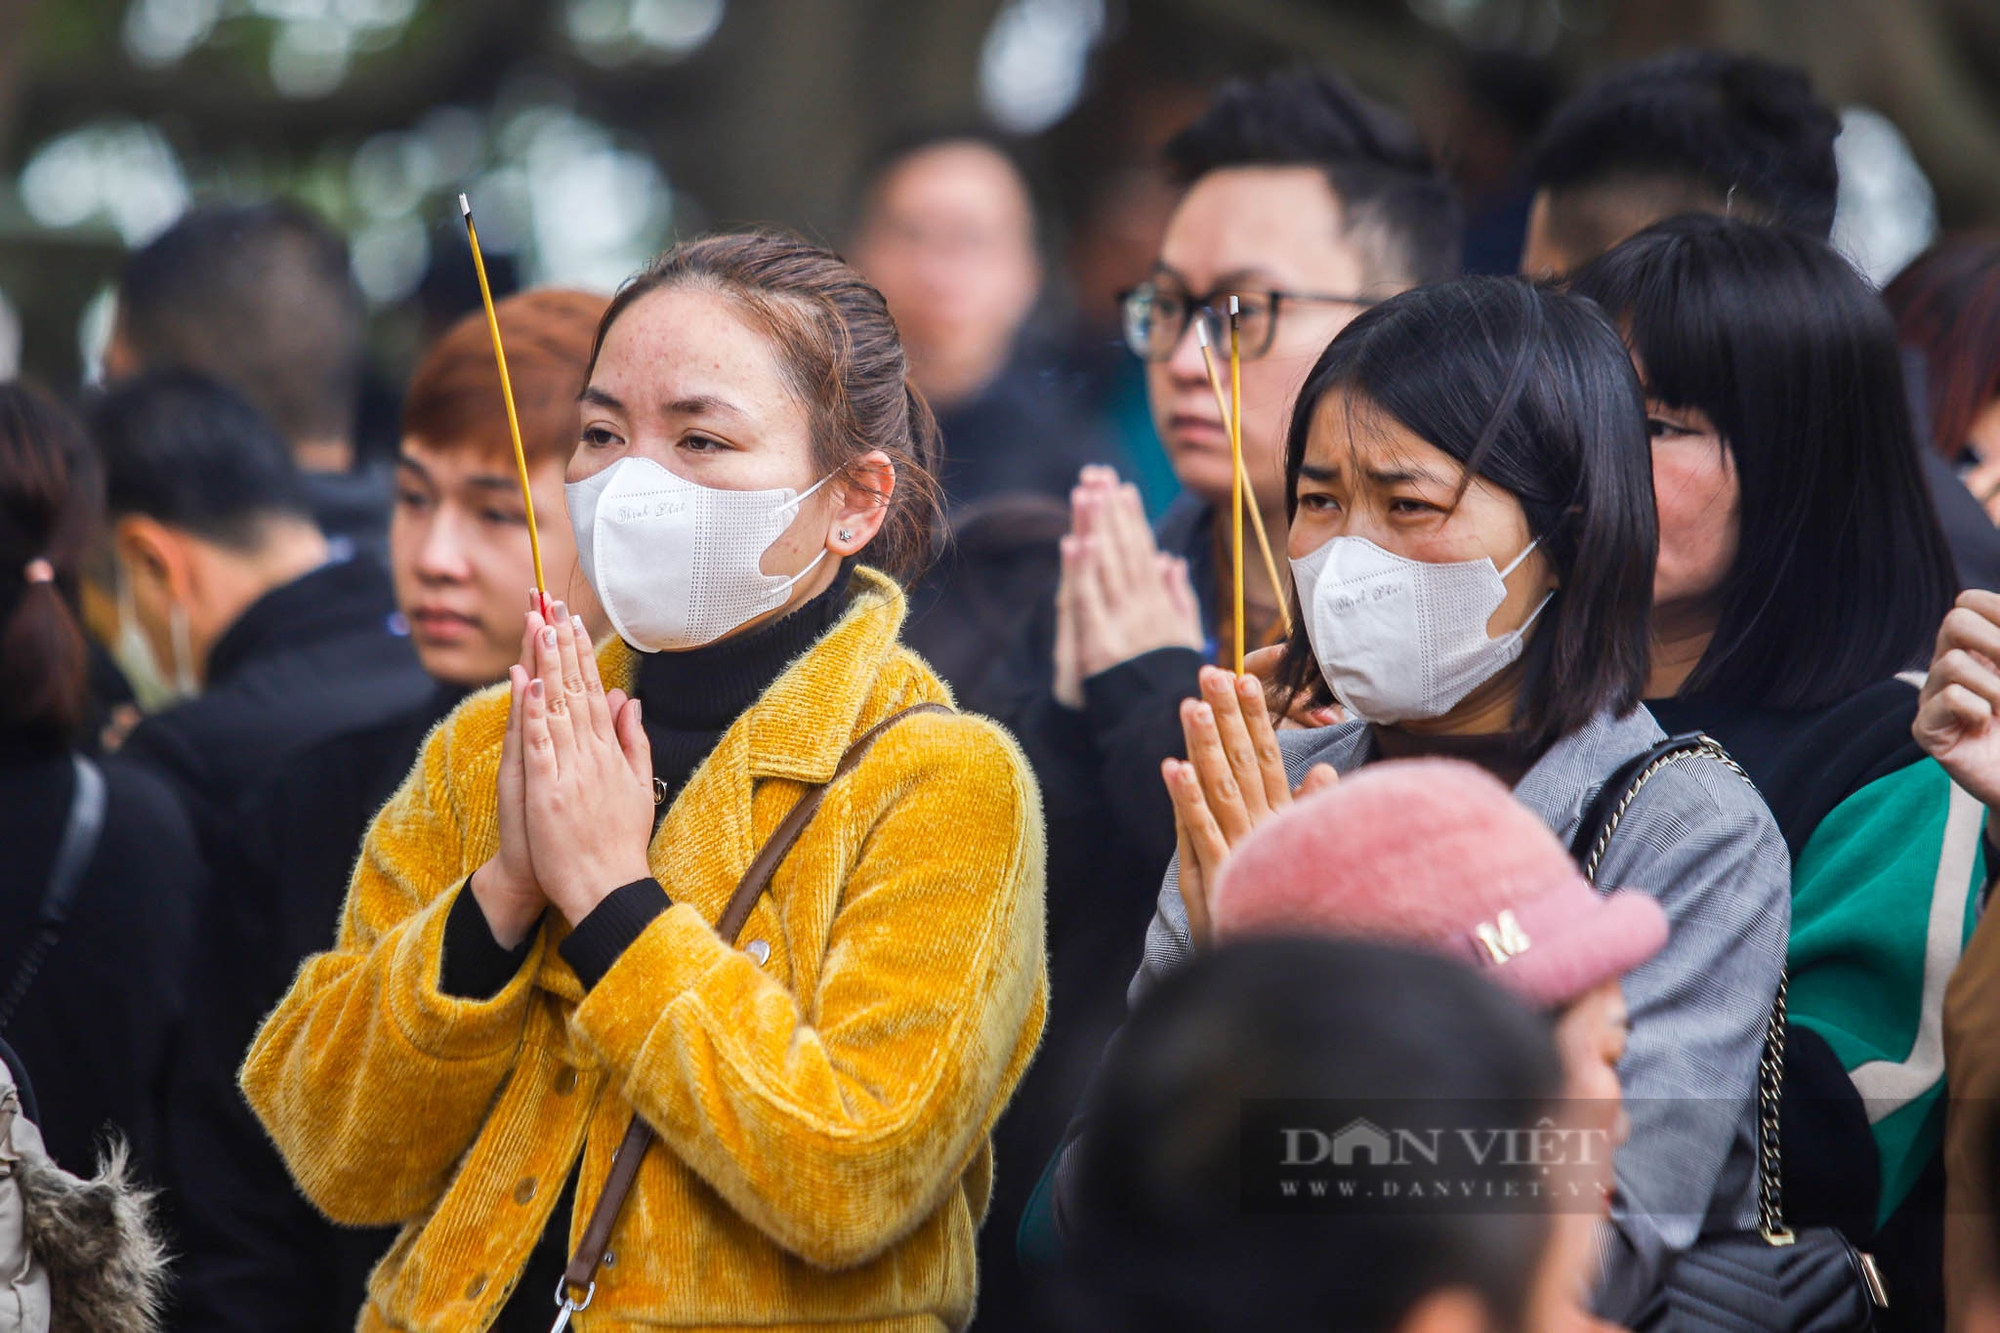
[1593, 837]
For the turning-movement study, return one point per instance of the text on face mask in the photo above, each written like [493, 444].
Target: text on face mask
[1374, 592]
[659, 506]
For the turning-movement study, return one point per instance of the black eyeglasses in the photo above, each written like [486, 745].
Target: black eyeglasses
[1155, 317]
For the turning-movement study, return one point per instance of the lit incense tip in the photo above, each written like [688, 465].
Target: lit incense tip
[1232, 300]
[464, 205]
[1201, 333]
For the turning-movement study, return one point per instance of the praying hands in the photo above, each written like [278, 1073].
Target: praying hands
[1232, 780]
[575, 785]
[1119, 596]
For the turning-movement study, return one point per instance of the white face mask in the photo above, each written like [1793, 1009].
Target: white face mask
[675, 563]
[1398, 638]
[151, 687]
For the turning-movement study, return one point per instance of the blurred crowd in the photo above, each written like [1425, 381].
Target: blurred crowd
[1604, 747]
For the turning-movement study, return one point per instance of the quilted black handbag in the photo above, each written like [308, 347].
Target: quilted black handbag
[1771, 1280]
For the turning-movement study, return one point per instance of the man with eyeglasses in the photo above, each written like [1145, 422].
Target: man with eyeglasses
[1307, 202]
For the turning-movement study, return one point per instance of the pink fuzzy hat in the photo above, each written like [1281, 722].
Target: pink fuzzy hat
[1435, 852]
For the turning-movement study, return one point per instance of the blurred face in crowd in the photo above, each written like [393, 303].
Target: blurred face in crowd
[684, 380]
[1694, 474]
[1983, 435]
[458, 548]
[1365, 474]
[1982, 445]
[1250, 231]
[949, 239]
[121, 359]
[1695, 488]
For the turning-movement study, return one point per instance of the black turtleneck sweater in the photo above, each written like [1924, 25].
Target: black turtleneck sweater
[689, 699]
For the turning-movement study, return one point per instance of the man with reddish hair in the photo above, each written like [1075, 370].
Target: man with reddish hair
[457, 539]
[255, 1254]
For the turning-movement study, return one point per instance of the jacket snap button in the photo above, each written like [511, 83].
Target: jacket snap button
[565, 1082]
[474, 1287]
[525, 1191]
[760, 952]
[610, 1259]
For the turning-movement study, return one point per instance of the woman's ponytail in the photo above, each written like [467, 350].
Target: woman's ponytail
[50, 503]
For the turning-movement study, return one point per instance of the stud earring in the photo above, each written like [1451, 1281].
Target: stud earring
[844, 535]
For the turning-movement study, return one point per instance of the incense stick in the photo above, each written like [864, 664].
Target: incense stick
[1223, 406]
[507, 393]
[1236, 472]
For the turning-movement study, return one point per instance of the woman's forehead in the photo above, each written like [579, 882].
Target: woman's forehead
[1353, 434]
[688, 345]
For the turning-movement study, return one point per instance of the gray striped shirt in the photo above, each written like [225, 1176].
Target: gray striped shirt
[1700, 840]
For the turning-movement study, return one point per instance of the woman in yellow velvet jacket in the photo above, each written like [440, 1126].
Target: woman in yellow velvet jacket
[526, 962]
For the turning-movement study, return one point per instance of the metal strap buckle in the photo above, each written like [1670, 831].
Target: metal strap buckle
[1871, 1277]
[567, 1305]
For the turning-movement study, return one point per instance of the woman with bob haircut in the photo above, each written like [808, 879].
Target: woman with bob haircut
[1801, 568]
[1472, 543]
[533, 964]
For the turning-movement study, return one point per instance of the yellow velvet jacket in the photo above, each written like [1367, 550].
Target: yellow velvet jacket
[823, 1119]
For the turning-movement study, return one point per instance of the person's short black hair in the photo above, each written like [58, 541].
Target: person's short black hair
[1706, 131]
[189, 452]
[1157, 1235]
[261, 297]
[1531, 390]
[1393, 199]
[1520, 91]
[1842, 573]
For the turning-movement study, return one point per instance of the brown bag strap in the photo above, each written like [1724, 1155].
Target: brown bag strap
[581, 1274]
[758, 877]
